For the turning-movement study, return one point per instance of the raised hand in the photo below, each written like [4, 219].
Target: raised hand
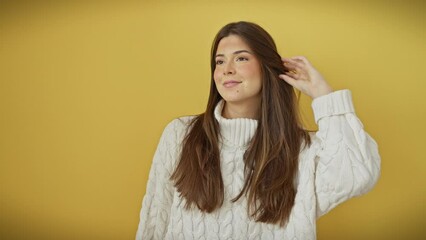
[304, 77]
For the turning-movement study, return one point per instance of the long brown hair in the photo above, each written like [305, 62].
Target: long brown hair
[271, 159]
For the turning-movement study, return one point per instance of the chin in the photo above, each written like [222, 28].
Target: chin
[240, 98]
[232, 99]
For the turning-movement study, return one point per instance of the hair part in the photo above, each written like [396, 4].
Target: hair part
[271, 160]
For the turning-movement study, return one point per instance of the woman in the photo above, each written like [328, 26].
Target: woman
[246, 168]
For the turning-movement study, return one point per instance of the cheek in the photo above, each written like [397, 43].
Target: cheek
[216, 75]
[252, 70]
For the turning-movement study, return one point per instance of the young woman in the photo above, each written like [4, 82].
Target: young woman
[246, 168]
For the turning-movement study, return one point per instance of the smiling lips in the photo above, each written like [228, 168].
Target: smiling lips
[230, 83]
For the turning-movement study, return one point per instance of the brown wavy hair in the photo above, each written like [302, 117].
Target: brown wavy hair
[271, 159]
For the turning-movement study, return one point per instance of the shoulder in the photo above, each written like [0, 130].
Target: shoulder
[179, 124]
[176, 129]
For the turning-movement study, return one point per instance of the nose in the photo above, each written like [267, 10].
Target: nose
[229, 68]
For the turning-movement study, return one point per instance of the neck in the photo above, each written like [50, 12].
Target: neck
[241, 110]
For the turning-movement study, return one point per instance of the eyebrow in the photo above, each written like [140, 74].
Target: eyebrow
[235, 53]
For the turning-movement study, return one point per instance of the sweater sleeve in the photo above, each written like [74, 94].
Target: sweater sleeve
[156, 204]
[347, 160]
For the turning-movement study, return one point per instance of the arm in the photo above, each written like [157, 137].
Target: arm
[347, 162]
[156, 204]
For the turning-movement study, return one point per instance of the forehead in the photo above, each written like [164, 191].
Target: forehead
[231, 44]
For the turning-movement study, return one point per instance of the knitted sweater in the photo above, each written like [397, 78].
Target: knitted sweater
[342, 162]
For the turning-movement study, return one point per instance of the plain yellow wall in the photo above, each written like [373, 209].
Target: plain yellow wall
[86, 90]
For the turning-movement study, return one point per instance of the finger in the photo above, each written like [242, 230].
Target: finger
[293, 74]
[289, 80]
[293, 63]
[296, 72]
[301, 59]
[292, 67]
[291, 59]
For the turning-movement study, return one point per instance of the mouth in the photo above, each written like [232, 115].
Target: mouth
[231, 83]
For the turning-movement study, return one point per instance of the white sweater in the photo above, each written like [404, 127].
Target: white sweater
[342, 162]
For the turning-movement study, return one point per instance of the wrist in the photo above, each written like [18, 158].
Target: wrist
[321, 92]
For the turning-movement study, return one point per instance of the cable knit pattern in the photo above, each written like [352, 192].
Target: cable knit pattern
[342, 162]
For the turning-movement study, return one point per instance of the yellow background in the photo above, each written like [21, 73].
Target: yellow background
[87, 88]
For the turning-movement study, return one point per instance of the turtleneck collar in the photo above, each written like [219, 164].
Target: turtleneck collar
[237, 131]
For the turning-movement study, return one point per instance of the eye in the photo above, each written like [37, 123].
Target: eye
[242, 59]
[218, 62]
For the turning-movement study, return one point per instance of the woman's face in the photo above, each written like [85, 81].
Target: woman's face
[237, 76]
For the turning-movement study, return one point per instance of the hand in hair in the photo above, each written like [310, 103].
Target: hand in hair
[303, 76]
